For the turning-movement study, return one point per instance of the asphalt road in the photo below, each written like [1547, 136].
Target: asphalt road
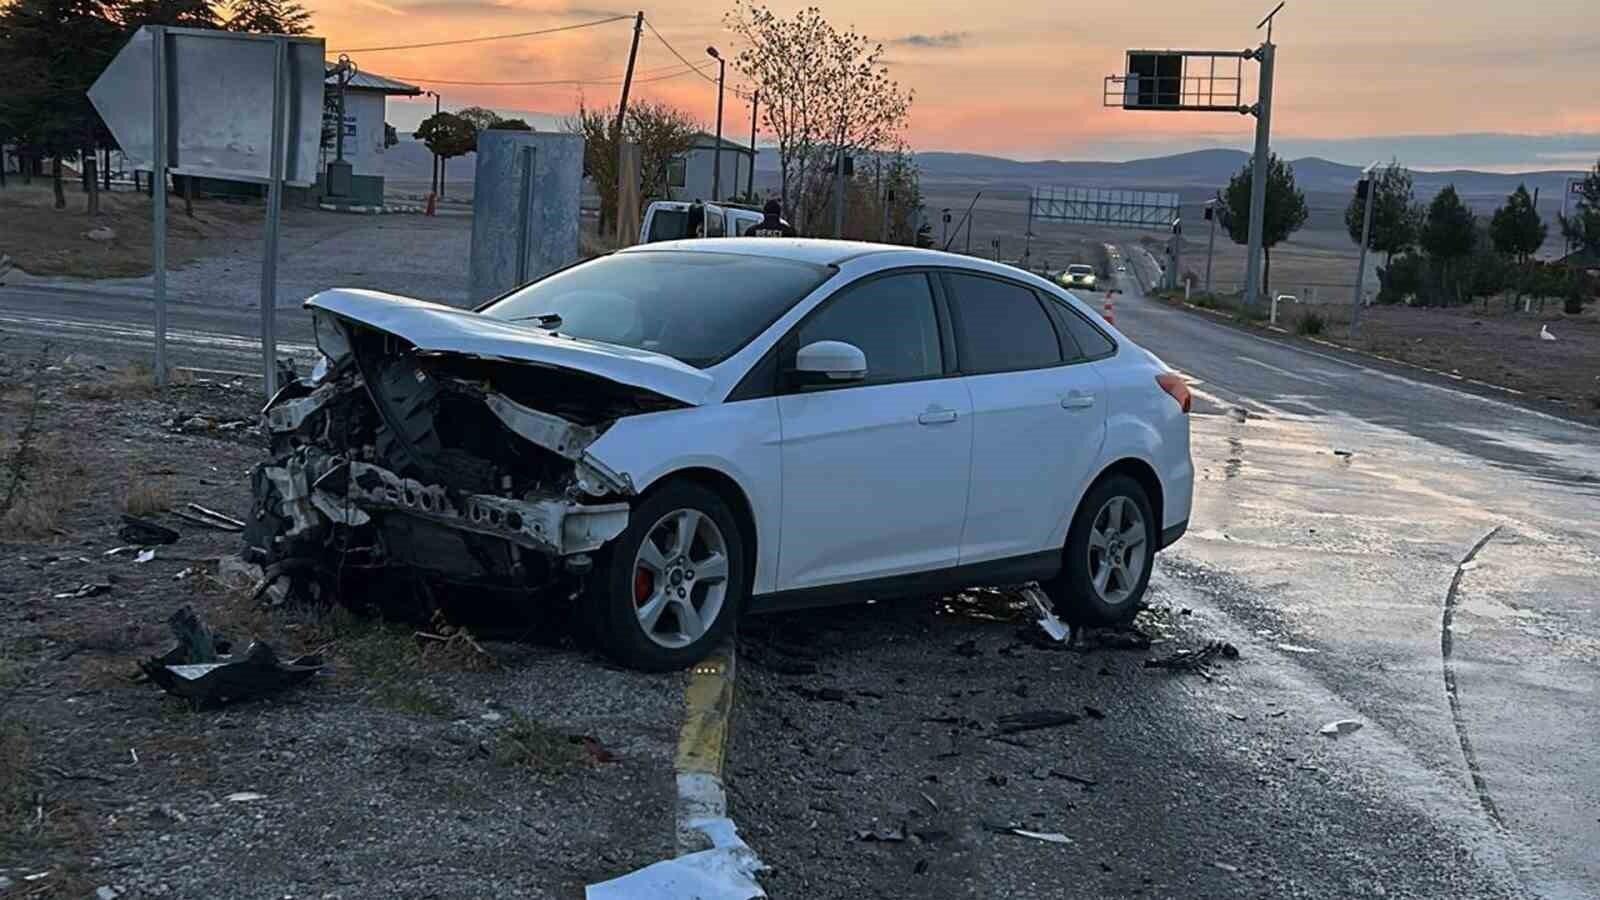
[1436, 550]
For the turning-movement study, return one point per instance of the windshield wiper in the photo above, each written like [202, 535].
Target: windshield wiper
[551, 321]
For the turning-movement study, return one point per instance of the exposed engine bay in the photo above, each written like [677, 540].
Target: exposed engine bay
[465, 468]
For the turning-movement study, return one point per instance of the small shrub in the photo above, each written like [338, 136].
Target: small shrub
[1310, 323]
[528, 744]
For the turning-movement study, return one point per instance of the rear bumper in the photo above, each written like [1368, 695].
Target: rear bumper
[1170, 535]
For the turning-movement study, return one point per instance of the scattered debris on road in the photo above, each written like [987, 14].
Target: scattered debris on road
[1195, 661]
[94, 589]
[1049, 837]
[1296, 648]
[1341, 727]
[145, 556]
[200, 670]
[209, 518]
[1048, 621]
[1344, 453]
[245, 797]
[893, 835]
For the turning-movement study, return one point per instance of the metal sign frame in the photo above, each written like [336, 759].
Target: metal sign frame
[1097, 206]
[205, 125]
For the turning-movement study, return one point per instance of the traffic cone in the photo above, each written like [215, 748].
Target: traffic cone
[1110, 309]
[429, 211]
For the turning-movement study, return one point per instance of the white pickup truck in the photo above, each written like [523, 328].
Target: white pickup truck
[668, 220]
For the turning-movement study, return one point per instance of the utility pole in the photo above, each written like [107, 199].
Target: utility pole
[1027, 237]
[750, 184]
[716, 164]
[944, 233]
[969, 230]
[1177, 253]
[1369, 188]
[1211, 241]
[622, 105]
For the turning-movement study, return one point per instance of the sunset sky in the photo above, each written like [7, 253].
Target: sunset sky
[1025, 79]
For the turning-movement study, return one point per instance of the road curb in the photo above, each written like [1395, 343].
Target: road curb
[702, 749]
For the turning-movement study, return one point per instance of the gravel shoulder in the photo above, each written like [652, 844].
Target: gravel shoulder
[409, 768]
[1168, 785]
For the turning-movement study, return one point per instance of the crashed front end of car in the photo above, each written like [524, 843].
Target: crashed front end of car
[470, 467]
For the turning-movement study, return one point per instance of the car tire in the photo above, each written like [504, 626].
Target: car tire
[1093, 588]
[668, 604]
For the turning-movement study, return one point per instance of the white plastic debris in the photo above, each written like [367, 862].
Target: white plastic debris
[725, 872]
[1051, 837]
[1052, 625]
[1343, 726]
[1544, 333]
[244, 797]
[145, 556]
[1469, 565]
[1296, 648]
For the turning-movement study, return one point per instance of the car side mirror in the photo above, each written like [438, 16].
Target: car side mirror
[829, 362]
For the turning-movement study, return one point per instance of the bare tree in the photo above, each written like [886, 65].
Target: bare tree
[824, 91]
[662, 132]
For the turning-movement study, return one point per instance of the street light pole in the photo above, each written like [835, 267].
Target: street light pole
[716, 165]
[433, 182]
[1366, 236]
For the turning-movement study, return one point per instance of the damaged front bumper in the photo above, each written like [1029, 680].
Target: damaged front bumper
[438, 462]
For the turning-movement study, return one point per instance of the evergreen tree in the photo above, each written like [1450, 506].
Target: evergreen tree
[269, 17]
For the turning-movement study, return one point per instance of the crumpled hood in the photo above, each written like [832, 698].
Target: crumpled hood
[446, 329]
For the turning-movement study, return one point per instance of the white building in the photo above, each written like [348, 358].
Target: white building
[689, 176]
[365, 114]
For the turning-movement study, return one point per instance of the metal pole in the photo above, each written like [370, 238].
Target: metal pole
[716, 165]
[158, 176]
[1258, 178]
[338, 142]
[1361, 259]
[838, 196]
[1027, 237]
[525, 214]
[969, 231]
[944, 231]
[269, 263]
[1177, 254]
[436, 185]
[1211, 244]
[750, 185]
[622, 113]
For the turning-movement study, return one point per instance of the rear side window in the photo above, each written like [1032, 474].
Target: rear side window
[891, 319]
[1091, 341]
[1000, 327]
[667, 225]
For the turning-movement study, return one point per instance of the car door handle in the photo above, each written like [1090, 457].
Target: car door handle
[1077, 400]
[937, 417]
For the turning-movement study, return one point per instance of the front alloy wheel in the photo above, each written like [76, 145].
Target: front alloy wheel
[666, 591]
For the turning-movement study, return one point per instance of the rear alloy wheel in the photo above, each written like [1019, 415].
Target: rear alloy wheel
[671, 585]
[1109, 554]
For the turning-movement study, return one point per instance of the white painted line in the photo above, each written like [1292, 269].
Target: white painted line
[1284, 372]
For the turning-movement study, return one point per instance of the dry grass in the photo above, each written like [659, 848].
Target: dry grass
[46, 480]
[147, 494]
[135, 380]
[43, 240]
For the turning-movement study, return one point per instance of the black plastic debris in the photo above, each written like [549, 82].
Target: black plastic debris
[1194, 660]
[1034, 720]
[143, 531]
[201, 670]
[1122, 637]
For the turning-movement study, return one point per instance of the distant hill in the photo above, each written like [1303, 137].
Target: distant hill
[1206, 169]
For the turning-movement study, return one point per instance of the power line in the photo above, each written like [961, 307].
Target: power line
[492, 37]
[607, 82]
[674, 51]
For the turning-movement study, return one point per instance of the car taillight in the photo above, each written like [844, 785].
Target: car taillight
[1176, 388]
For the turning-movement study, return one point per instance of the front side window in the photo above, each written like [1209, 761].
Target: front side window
[891, 319]
[1001, 326]
[695, 306]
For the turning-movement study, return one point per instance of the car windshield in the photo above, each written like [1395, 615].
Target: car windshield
[696, 306]
[1080, 270]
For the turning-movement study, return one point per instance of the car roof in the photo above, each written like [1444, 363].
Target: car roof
[810, 250]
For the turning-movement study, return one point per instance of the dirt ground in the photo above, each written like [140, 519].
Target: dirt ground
[406, 769]
[1489, 345]
[42, 240]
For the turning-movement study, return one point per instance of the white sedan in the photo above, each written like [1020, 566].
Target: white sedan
[679, 433]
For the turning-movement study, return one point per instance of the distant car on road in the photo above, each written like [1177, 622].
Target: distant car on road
[675, 434]
[1079, 275]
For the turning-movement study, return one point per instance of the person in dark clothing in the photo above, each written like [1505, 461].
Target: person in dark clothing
[694, 225]
[772, 223]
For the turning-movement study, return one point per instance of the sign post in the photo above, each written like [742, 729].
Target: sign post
[1188, 81]
[223, 105]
